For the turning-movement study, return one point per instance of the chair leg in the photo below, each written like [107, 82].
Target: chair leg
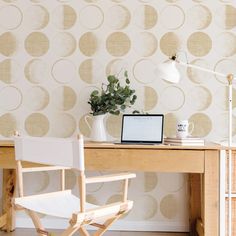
[108, 222]
[37, 223]
[83, 231]
[70, 231]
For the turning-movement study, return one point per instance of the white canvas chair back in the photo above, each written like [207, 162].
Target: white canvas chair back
[51, 151]
[60, 154]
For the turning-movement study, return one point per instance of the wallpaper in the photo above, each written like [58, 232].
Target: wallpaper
[53, 53]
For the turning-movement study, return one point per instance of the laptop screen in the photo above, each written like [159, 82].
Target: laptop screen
[144, 128]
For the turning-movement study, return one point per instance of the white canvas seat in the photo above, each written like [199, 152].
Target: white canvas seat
[53, 203]
[60, 154]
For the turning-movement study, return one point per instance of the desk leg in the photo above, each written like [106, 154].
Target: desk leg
[195, 201]
[210, 211]
[9, 183]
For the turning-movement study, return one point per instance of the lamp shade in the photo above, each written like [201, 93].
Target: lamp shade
[168, 72]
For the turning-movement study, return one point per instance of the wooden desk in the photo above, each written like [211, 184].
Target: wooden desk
[202, 163]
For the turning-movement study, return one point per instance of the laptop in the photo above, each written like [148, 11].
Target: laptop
[142, 129]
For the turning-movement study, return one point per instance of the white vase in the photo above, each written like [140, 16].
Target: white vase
[97, 129]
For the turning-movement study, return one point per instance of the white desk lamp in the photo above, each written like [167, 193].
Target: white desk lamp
[169, 72]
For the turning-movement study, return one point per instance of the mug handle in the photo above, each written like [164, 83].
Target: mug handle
[190, 127]
[86, 119]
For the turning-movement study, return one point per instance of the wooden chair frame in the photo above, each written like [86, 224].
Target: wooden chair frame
[108, 213]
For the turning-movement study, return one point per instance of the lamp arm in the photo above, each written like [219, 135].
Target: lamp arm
[201, 68]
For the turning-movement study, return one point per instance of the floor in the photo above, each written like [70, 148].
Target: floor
[31, 232]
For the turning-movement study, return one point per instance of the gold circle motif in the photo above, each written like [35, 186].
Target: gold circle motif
[199, 44]
[202, 124]
[8, 44]
[9, 71]
[169, 206]
[118, 44]
[88, 44]
[170, 43]
[37, 125]
[8, 125]
[37, 44]
[145, 17]
[64, 17]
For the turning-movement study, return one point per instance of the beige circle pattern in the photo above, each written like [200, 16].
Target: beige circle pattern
[176, 20]
[90, 71]
[113, 125]
[8, 124]
[64, 98]
[170, 125]
[145, 17]
[10, 98]
[9, 71]
[226, 17]
[202, 124]
[10, 17]
[64, 44]
[199, 17]
[37, 98]
[146, 44]
[147, 202]
[91, 17]
[199, 44]
[115, 66]
[36, 71]
[176, 98]
[199, 98]
[36, 17]
[169, 206]
[148, 98]
[37, 125]
[198, 76]
[225, 66]
[83, 127]
[36, 44]
[8, 44]
[145, 182]
[88, 44]
[170, 43]
[64, 17]
[63, 125]
[144, 76]
[64, 71]
[225, 44]
[118, 17]
[118, 44]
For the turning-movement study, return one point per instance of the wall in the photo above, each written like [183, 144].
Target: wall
[54, 53]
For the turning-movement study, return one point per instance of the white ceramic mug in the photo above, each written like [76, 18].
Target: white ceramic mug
[184, 128]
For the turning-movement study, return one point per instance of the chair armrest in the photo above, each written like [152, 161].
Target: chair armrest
[44, 168]
[110, 178]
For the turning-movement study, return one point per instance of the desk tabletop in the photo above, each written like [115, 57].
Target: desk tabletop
[111, 145]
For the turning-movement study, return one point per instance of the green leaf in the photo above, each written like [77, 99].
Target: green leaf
[123, 107]
[113, 97]
[95, 93]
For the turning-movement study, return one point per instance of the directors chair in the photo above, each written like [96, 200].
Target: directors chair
[61, 154]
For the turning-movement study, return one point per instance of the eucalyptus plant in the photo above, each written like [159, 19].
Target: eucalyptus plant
[113, 97]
